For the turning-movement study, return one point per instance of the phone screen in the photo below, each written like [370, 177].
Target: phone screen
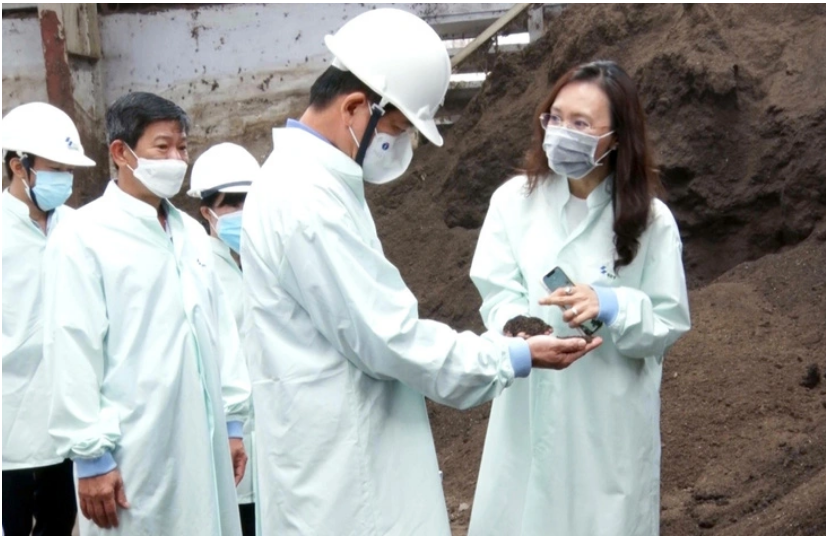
[557, 278]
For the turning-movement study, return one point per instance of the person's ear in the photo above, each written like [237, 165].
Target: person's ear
[120, 154]
[18, 170]
[205, 214]
[350, 105]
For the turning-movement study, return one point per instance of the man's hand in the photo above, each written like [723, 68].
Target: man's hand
[552, 353]
[239, 458]
[99, 497]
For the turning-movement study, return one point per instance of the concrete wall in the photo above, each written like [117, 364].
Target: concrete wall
[24, 70]
[238, 69]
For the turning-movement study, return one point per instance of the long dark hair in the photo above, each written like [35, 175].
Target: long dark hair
[636, 182]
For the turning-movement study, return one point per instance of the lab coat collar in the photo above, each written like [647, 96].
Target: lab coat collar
[21, 211]
[220, 249]
[298, 142]
[136, 207]
[147, 215]
[15, 206]
[558, 189]
[601, 194]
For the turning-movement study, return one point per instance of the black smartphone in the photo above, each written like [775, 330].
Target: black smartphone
[557, 278]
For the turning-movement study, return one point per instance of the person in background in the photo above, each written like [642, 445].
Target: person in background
[41, 148]
[221, 178]
[150, 390]
[577, 453]
[340, 360]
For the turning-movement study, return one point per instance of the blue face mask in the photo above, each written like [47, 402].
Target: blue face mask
[51, 189]
[228, 229]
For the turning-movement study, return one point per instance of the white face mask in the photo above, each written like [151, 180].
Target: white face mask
[387, 157]
[571, 153]
[163, 178]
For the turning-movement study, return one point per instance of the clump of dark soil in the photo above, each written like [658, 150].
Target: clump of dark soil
[529, 325]
[812, 377]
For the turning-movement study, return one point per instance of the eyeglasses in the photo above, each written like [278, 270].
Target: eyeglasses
[554, 120]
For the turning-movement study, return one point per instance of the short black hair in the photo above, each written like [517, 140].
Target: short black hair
[334, 82]
[7, 163]
[128, 117]
[231, 199]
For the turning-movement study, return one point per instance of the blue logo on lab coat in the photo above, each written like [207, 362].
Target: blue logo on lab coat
[604, 270]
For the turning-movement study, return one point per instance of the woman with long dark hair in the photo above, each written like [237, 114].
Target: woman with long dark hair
[576, 452]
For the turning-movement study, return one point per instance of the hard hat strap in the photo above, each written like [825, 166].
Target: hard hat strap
[377, 111]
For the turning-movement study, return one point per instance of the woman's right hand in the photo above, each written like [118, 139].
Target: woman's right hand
[550, 352]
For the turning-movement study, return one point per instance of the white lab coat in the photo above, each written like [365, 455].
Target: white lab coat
[26, 389]
[144, 352]
[232, 283]
[577, 452]
[339, 359]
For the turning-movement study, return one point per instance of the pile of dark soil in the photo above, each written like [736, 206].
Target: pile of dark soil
[736, 102]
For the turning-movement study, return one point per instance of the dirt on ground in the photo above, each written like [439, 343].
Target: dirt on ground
[735, 97]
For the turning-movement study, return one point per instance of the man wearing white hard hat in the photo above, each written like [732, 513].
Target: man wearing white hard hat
[41, 147]
[221, 177]
[339, 358]
[153, 390]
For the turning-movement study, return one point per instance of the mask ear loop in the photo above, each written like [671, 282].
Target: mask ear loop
[598, 162]
[28, 162]
[217, 219]
[376, 113]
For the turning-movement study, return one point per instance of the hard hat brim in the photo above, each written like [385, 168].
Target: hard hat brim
[74, 158]
[238, 189]
[67, 157]
[429, 129]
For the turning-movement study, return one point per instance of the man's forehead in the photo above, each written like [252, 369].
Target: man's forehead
[160, 129]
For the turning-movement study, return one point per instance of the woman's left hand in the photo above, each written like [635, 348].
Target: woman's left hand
[581, 300]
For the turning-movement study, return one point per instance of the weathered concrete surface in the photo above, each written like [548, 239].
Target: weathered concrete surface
[24, 71]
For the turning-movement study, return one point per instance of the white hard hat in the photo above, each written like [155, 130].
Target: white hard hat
[225, 167]
[400, 57]
[43, 130]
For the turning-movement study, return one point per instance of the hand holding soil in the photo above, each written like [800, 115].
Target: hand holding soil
[554, 353]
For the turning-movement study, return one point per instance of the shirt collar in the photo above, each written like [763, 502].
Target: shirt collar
[292, 123]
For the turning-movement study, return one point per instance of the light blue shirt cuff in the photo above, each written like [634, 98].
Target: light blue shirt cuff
[235, 429]
[89, 467]
[520, 354]
[608, 304]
